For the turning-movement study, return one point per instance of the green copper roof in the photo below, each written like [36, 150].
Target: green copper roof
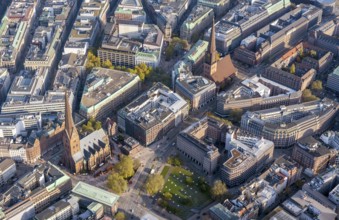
[195, 52]
[95, 194]
[336, 71]
[59, 181]
[123, 11]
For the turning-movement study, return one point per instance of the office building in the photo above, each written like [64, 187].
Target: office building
[256, 93]
[34, 192]
[106, 90]
[123, 52]
[167, 14]
[220, 7]
[287, 124]
[302, 206]
[197, 89]
[331, 138]
[197, 143]
[5, 83]
[79, 48]
[326, 35]
[278, 36]
[21, 149]
[296, 71]
[60, 210]
[256, 197]
[311, 154]
[198, 20]
[50, 102]
[7, 170]
[247, 155]
[15, 30]
[333, 80]
[43, 48]
[286, 167]
[67, 80]
[244, 19]
[89, 193]
[150, 116]
[328, 6]
[192, 62]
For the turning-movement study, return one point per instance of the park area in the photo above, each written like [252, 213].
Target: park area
[184, 193]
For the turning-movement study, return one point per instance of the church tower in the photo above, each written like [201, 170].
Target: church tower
[72, 158]
[211, 59]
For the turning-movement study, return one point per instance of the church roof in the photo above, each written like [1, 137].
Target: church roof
[93, 142]
[225, 69]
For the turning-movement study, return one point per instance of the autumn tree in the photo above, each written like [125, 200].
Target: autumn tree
[317, 85]
[92, 61]
[219, 191]
[307, 96]
[107, 64]
[292, 69]
[120, 216]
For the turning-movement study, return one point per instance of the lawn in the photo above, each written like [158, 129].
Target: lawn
[183, 192]
[165, 171]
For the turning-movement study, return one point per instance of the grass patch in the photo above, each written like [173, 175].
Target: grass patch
[165, 171]
[185, 196]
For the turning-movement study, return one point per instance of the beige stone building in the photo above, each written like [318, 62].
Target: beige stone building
[197, 143]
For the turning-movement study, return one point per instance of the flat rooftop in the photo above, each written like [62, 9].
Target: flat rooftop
[95, 194]
[195, 84]
[102, 83]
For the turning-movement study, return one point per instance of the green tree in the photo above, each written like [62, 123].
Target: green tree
[167, 196]
[189, 180]
[292, 69]
[125, 167]
[154, 184]
[120, 216]
[219, 191]
[169, 52]
[177, 161]
[97, 125]
[107, 64]
[117, 183]
[317, 85]
[236, 114]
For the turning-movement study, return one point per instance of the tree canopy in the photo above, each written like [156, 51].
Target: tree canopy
[117, 183]
[120, 216]
[125, 167]
[154, 184]
[307, 96]
[107, 64]
[219, 191]
[317, 85]
[292, 69]
[92, 61]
